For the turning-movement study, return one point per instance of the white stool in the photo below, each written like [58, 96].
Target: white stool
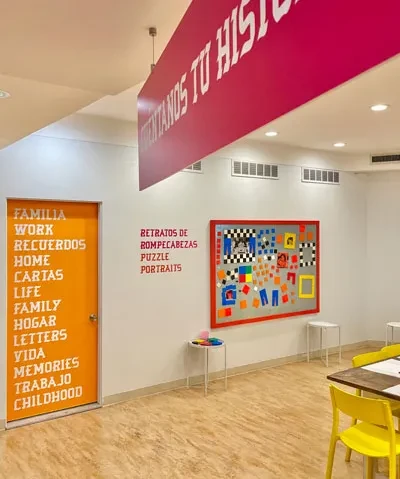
[206, 350]
[323, 326]
[393, 326]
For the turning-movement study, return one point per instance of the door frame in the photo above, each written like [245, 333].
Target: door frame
[100, 401]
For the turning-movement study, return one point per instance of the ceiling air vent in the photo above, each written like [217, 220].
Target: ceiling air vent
[195, 168]
[249, 169]
[385, 158]
[315, 175]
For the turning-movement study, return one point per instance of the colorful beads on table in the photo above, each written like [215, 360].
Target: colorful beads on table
[208, 342]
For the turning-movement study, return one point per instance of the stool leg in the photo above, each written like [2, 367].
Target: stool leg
[226, 371]
[387, 327]
[205, 370]
[308, 343]
[208, 351]
[340, 348]
[392, 335]
[326, 340]
[187, 366]
[320, 343]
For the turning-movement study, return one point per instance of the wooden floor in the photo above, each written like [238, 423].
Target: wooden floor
[273, 423]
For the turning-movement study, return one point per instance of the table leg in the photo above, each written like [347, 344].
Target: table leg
[308, 343]
[226, 371]
[392, 335]
[387, 334]
[327, 346]
[340, 347]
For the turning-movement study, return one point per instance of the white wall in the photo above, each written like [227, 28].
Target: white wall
[93, 128]
[383, 223]
[143, 338]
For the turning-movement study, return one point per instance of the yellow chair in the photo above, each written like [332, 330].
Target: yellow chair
[391, 351]
[374, 437]
[363, 360]
[368, 358]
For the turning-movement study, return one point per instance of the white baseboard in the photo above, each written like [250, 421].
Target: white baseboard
[196, 380]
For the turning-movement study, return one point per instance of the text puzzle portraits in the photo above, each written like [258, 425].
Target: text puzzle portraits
[262, 270]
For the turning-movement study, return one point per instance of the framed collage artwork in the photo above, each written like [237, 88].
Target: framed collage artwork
[263, 270]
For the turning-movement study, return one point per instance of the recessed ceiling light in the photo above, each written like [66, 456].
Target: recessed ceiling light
[379, 107]
[4, 94]
[271, 133]
[339, 144]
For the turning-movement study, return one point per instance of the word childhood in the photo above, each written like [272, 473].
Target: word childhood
[247, 24]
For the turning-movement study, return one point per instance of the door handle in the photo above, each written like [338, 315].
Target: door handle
[93, 318]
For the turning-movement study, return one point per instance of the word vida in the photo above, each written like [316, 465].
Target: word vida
[247, 24]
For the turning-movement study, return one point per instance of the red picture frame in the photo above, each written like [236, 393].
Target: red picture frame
[213, 270]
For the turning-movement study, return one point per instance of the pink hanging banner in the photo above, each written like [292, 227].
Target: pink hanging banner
[233, 66]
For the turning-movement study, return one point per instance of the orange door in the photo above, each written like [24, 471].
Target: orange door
[52, 328]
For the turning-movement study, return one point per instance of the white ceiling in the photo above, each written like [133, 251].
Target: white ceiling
[119, 107]
[342, 115]
[59, 56]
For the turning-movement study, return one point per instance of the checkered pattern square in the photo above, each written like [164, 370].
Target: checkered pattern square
[240, 258]
[302, 247]
[231, 276]
[240, 233]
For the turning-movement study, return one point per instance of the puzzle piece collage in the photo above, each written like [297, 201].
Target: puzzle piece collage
[263, 271]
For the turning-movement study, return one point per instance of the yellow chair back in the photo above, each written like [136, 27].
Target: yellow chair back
[391, 351]
[373, 411]
[368, 358]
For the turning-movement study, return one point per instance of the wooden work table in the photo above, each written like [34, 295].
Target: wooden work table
[365, 380]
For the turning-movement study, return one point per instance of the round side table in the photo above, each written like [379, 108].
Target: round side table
[206, 353]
